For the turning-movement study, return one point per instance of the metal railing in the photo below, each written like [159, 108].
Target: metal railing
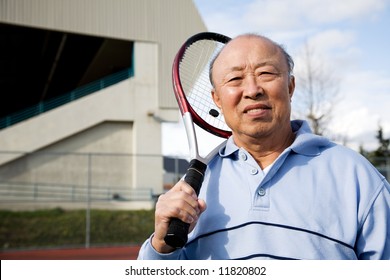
[66, 98]
[75, 177]
[44, 192]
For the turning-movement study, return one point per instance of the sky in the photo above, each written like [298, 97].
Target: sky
[350, 37]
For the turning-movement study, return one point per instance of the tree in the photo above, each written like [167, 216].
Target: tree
[317, 89]
[383, 149]
[382, 152]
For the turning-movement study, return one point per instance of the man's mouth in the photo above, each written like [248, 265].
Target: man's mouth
[256, 109]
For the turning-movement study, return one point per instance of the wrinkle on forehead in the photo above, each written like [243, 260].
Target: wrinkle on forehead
[249, 52]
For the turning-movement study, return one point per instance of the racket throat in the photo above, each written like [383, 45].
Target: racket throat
[191, 137]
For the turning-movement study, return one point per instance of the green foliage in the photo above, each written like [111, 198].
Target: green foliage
[62, 228]
[377, 157]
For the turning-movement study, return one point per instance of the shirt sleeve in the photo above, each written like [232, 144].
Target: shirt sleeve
[147, 252]
[373, 240]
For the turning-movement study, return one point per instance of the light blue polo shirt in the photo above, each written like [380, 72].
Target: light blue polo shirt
[318, 200]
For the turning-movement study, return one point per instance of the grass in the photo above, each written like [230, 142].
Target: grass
[67, 228]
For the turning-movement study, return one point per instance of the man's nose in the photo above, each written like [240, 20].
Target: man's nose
[253, 88]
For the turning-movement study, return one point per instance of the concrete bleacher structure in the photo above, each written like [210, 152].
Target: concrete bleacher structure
[108, 141]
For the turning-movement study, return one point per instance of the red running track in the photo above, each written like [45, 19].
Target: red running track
[95, 253]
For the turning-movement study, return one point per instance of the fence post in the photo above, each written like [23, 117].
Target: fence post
[35, 191]
[88, 211]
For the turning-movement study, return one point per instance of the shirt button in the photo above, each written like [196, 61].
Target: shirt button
[254, 171]
[261, 192]
[243, 157]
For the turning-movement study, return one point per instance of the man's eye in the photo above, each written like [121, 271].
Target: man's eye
[234, 79]
[265, 73]
[267, 76]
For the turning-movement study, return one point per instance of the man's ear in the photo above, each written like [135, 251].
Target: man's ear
[291, 86]
[216, 98]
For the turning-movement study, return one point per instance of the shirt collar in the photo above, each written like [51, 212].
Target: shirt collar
[305, 143]
[229, 149]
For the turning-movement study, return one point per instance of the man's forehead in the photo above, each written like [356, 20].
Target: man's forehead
[243, 45]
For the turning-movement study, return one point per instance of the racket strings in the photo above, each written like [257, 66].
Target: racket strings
[194, 76]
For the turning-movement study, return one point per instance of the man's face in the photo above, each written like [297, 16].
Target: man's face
[252, 87]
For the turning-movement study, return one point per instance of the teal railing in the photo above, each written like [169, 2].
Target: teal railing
[68, 97]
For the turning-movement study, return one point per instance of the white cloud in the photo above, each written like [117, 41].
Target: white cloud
[175, 141]
[333, 39]
[272, 15]
[291, 21]
[334, 49]
[364, 107]
[292, 14]
[346, 34]
[224, 23]
[334, 10]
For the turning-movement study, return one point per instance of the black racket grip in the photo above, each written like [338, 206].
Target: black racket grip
[177, 234]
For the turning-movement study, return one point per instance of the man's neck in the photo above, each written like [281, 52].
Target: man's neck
[266, 150]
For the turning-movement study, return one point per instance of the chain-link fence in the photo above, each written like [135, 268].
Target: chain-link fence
[77, 177]
[44, 177]
[90, 181]
[86, 182]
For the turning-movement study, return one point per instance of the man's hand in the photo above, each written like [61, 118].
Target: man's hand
[180, 202]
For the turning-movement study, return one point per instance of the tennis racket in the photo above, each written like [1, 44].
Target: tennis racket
[192, 88]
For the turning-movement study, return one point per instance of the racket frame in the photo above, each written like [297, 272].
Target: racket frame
[177, 234]
[180, 95]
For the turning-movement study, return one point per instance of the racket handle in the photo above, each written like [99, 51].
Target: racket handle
[177, 234]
